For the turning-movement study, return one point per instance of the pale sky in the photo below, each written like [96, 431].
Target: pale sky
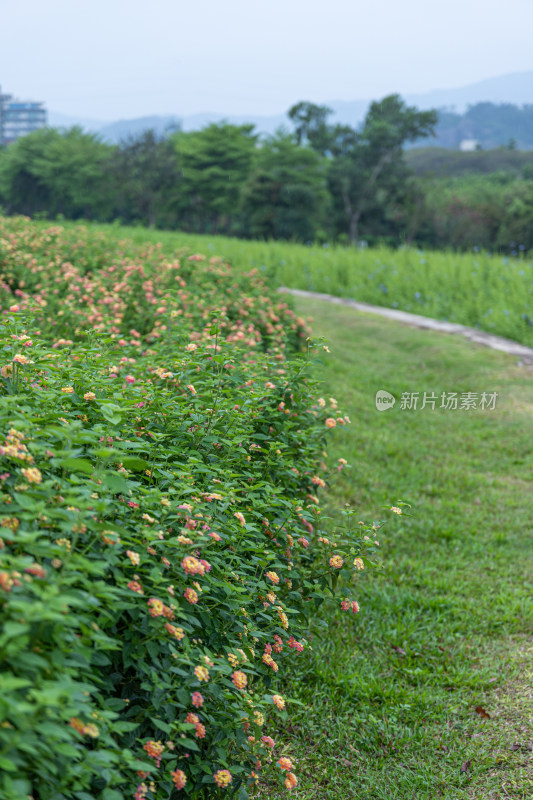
[110, 59]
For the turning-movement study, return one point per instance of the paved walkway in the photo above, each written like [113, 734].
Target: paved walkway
[525, 354]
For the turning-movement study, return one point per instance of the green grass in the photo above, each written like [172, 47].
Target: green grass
[389, 696]
[490, 292]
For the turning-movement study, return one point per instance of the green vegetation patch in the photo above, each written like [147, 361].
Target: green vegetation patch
[319, 181]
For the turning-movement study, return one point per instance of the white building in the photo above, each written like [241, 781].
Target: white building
[18, 118]
[469, 145]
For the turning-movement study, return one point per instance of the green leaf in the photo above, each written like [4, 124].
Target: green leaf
[28, 503]
[10, 682]
[116, 483]
[76, 465]
[12, 629]
[112, 794]
[134, 462]
[66, 749]
[161, 725]
[154, 649]
[190, 744]
[53, 730]
[105, 452]
[21, 785]
[111, 412]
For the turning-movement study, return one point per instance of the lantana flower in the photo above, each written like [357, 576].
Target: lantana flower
[133, 557]
[290, 781]
[32, 475]
[223, 778]
[156, 608]
[190, 595]
[174, 631]
[284, 763]
[179, 779]
[201, 673]
[154, 750]
[239, 679]
[192, 566]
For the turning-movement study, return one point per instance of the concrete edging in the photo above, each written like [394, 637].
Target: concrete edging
[417, 321]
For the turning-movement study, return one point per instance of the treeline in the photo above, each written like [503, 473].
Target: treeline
[321, 182]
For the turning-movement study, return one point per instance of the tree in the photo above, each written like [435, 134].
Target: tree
[57, 173]
[367, 170]
[147, 177]
[311, 125]
[215, 164]
[286, 195]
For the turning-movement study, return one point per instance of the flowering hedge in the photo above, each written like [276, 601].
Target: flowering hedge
[160, 544]
[79, 279]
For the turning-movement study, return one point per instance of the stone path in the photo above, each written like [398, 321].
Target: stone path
[525, 354]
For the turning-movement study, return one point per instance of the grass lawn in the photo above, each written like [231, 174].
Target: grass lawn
[389, 696]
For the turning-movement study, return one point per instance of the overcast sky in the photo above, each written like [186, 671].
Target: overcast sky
[109, 59]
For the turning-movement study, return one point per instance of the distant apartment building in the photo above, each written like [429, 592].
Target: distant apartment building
[19, 117]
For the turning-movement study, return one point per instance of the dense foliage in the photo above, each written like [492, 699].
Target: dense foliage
[439, 162]
[490, 212]
[322, 182]
[161, 540]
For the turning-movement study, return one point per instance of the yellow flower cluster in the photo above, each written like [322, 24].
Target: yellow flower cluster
[14, 448]
[32, 475]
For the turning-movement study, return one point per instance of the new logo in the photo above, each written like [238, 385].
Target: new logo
[384, 400]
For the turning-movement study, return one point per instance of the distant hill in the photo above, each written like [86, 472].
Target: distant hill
[57, 120]
[456, 121]
[516, 88]
[115, 131]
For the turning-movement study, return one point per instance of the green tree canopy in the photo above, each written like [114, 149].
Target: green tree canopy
[311, 126]
[215, 163]
[286, 195]
[367, 171]
[147, 179]
[57, 172]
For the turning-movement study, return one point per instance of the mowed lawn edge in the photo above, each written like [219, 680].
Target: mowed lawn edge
[390, 696]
